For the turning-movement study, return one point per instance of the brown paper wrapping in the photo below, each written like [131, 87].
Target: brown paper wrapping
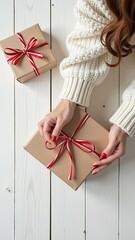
[82, 161]
[23, 71]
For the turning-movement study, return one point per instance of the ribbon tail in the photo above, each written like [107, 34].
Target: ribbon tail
[70, 157]
[53, 161]
[70, 174]
[33, 65]
[56, 157]
[51, 164]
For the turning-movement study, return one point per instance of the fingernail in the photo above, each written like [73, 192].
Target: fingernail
[93, 173]
[53, 138]
[103, 156]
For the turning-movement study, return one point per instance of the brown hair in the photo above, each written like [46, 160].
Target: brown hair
[120, 30]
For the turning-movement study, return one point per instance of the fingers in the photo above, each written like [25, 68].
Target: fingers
[118, 151]
[112, 152]
[98, 169]
[50, 128]
[57, 129]
[108, 160]
[40, 127]
[108, 150]
[45, 128]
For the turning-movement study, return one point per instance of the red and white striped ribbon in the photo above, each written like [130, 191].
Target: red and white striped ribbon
[28, 50]
[84, 145]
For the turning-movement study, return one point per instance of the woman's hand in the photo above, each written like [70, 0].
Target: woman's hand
[51, 125]
[114, 150]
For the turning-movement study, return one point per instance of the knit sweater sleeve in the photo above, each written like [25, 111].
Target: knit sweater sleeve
[125, 114]
[85, 65]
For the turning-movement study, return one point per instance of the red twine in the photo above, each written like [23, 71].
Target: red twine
[17, 54]
[85, 146]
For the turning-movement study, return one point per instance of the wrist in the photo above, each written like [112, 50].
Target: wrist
[122, 132]
[68, 103]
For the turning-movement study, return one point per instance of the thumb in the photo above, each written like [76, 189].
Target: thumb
[57, 129]
[107, 151]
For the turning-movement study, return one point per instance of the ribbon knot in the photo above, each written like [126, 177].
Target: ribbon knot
[70, 139]
[84, 145]
[24, 51]
[28, 50]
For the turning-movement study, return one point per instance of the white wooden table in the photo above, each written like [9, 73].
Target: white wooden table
[34, 203]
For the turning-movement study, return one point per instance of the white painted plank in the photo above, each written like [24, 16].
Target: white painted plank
[6, 130]
[102, 189]
[68, 206]
[32, 103]
[127, 163]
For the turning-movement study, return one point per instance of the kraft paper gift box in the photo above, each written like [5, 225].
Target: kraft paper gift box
[23, 70]
[82, 162]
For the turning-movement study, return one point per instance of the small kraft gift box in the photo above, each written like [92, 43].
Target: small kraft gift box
[78, 146]
[28, 53]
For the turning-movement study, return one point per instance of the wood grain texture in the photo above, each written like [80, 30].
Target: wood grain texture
[6, 130]
[32, 103]
[127, 163]
[45, 207]
[102, 189]
[68, 206]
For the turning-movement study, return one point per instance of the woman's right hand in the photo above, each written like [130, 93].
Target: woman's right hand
[51, 125]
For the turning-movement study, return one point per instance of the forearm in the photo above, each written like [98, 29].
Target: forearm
[85, 66]
[125, 114]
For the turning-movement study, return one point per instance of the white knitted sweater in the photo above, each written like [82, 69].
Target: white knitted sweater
[85, 66]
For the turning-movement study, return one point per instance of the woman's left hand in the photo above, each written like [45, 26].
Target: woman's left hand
[114, 150]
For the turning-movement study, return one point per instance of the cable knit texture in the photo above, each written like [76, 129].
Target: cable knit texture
[85, 66]
[125, 114]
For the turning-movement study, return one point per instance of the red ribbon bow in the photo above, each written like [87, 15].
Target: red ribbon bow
[17, 54]
[85, 146]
